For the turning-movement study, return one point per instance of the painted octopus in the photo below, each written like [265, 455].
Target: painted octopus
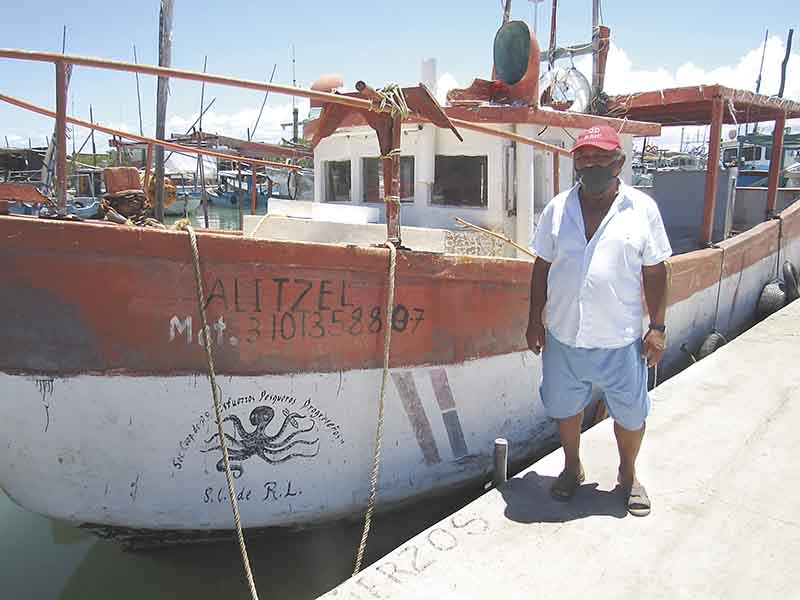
[273, 449]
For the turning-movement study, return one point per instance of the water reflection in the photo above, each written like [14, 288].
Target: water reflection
[220, 216]
[44, 559]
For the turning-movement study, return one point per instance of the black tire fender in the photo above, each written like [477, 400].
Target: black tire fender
[790, 277]
[772, 299]
[711, 344]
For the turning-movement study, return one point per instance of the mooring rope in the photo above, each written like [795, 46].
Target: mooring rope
[217, 411]
[376, 459]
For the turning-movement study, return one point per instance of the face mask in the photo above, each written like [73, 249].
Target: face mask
[596, 180]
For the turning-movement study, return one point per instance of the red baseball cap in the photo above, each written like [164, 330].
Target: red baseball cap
[600, 136]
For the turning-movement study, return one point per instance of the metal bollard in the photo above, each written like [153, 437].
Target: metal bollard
[500, 475]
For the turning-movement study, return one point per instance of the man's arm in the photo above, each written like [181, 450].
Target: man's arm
[535, 334]
[655, 294]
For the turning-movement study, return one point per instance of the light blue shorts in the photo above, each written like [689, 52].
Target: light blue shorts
[568, 374]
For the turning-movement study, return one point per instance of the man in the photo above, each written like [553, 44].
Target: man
[595, 245]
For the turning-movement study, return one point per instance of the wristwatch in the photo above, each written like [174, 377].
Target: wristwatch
[661, 328]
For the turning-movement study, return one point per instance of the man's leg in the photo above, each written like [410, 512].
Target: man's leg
[628, 444]
[572, 476]
[569, 430]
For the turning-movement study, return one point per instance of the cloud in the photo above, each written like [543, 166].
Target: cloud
[622, 76]
[445, 83]
[237, 123]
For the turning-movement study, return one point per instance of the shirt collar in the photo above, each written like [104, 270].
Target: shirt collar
[573, 207]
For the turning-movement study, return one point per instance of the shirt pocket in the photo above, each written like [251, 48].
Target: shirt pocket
[632, 244]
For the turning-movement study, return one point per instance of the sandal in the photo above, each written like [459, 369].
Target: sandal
[564, 486]
[638, 501]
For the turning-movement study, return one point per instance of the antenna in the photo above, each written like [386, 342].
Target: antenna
[138, 94]
[761, 68]
[266, 95]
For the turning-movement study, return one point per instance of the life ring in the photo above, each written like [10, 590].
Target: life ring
[713, 342]
[772, 299]
[790, 278]
[562, 81]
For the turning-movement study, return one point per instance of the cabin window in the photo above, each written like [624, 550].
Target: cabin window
[337, 181]
[372, 179]
[729, 155]
[751, 153]
[460, 181]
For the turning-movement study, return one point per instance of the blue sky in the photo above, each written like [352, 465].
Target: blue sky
[661, 44]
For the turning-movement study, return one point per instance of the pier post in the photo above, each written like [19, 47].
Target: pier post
[147, 165]
[556, 166]
[712, 171]
[775, 165]
[253, 189]
[500, 475]
[391, 186]
[61, 137]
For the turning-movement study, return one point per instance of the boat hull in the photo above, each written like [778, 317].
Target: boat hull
[111, 421]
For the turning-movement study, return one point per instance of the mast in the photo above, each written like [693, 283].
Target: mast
[201, 163]
[758, 83]
[552, 50]
[164, 60]
[595, 46]
[785, 62]
[294, 99]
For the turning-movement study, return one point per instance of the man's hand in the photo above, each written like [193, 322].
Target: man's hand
[535, 336]
[653, 345]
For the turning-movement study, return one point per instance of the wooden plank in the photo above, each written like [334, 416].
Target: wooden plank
[140, 138]
[526, 115]
[118, 65]
[22, 192]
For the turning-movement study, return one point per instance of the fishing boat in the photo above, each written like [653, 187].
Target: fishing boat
[112, 424]
[186, 202]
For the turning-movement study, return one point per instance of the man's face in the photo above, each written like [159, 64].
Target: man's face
[589, 156]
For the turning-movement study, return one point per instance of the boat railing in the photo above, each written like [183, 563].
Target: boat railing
[63, 61]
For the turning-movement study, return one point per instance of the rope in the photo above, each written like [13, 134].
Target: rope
[217, 411]
[393, 100]
[258, 225]
[376, 459]
[391, 154]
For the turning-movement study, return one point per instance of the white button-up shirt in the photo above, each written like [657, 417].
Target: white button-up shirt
[594, 288]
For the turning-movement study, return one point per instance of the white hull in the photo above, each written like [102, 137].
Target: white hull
[128, 451]
[185, 204]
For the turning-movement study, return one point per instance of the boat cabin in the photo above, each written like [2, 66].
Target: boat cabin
[495, 183]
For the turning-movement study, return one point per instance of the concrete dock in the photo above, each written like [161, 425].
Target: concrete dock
[721, 463]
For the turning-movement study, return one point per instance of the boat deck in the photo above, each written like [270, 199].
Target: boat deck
[719, 462]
